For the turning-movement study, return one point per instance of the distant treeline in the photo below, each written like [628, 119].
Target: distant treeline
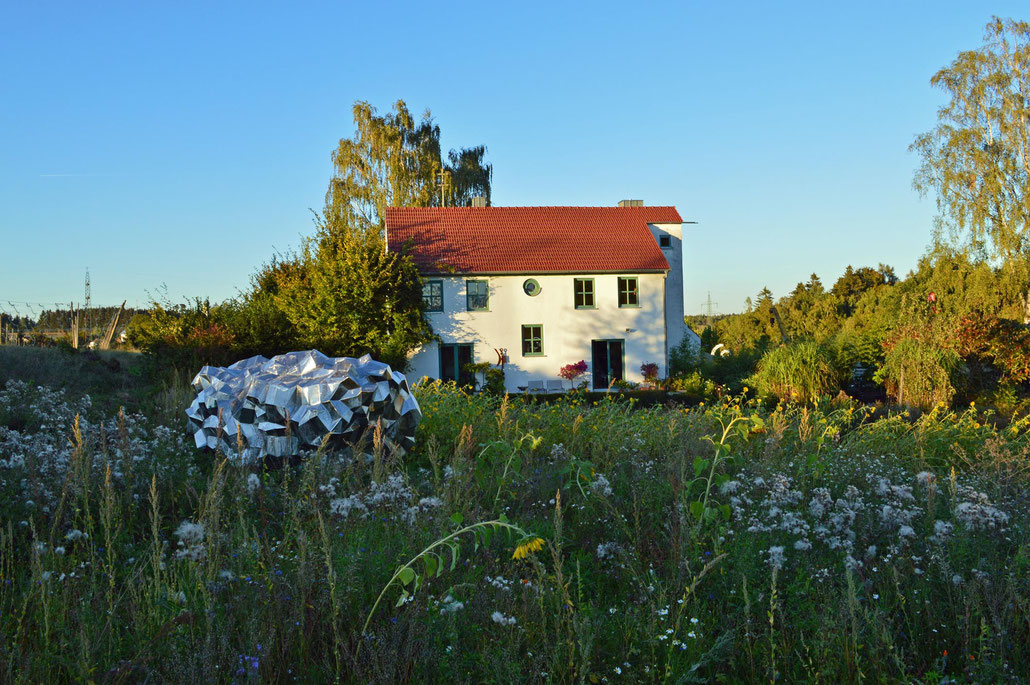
[61, 319]
[953, 328]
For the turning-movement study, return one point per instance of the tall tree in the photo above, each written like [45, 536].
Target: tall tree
[977, 158]
[394, 160]
[347, 295]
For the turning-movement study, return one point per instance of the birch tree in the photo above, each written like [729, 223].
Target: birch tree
[395, 160]
[976, 160]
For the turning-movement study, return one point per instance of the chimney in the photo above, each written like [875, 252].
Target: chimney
[479, 201]
[631, 203]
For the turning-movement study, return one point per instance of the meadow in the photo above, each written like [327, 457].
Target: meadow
[521, 541]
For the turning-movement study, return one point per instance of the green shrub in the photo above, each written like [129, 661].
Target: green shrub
[919, 373]
[802, 372]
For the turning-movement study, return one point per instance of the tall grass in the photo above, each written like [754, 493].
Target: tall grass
[726, 541]
[800, 372]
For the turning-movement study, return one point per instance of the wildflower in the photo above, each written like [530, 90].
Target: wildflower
[524, 549]
[191, 541]
[729, 487]
[253, 484]
[776, 557]
[451, 605]
[601, 486]
[942, 530]
[500, 619]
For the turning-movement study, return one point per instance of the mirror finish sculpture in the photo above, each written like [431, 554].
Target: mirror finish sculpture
[275, 407]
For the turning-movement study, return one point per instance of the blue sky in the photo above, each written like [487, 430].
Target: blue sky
[179, 144]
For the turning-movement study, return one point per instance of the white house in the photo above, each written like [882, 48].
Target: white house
[535, 288]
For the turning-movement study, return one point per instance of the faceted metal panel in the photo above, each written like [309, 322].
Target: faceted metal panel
[275, 407]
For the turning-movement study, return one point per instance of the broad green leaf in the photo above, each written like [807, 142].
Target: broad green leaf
[457, 518]
[432, 565]
[403, 598]
[697, 509]
[700, 465]
[726, 511]
[406, 575]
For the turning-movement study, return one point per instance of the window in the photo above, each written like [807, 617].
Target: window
[533, 340]
[584, 293]
[628, 292]
[432, 296]
[664, 241]
[477, 296]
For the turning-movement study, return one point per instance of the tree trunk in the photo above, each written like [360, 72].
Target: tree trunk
[1026, 306]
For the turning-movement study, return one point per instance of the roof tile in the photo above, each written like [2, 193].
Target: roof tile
[495, 240]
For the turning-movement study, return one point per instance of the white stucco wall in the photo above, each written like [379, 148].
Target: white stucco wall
[674, 303]
[567, 331]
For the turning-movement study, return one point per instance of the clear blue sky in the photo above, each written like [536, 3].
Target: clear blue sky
[179, 143]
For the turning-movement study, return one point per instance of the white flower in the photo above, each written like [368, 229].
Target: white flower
[729, 487]
[601, 486]
[500, 619]
[942, 530]
[906, 532]
[190, 533]
[343, 506]
[253, 484]
[451, 605]
[776, 557]
[191, 541]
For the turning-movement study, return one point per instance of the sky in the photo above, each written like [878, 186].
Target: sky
[172, 148]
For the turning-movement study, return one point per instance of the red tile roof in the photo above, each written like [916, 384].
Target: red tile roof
[523, 240]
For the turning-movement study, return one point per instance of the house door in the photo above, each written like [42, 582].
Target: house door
[453, 360]
[607, 362]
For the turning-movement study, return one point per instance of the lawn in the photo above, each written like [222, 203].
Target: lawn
[567, 541]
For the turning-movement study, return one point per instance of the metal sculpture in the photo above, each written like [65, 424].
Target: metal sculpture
[275, 407]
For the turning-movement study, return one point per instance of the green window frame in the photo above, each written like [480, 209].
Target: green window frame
[583, 293]
[432, 296]
[533, 340]
[629, 292]
[477, 296]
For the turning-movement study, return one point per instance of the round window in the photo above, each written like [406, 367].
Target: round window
[531, 287]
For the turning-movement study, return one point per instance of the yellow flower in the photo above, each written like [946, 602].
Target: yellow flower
[524, 549]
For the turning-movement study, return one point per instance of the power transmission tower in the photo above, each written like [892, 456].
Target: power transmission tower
[708, 307]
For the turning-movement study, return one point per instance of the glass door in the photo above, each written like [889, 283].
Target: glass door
[453, 360]
[607, 358]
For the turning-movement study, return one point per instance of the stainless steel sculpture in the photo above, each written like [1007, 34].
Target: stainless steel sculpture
[261, 407]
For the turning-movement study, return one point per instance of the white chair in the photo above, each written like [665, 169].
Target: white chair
[537, 386]
[555, 386]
